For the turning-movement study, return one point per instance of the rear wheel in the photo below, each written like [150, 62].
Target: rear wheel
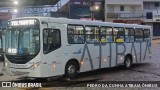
[127, 62]
[71, 70]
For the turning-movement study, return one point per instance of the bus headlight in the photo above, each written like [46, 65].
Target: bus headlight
[35, 65]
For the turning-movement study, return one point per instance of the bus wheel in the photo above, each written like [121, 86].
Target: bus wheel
[71, 70]
[127, 62]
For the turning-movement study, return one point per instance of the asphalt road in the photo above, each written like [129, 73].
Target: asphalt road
[146, 71]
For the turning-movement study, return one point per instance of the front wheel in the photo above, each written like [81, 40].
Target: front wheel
[127, 62]
[71, 70]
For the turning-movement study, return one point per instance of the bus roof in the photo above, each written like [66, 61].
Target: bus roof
[84, 22]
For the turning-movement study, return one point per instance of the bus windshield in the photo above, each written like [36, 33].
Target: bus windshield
[22, 41]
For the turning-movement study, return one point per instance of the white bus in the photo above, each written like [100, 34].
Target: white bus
[2, 43]
[42, 47]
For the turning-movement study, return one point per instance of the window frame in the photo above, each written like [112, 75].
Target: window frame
[144, 35]
[106, 34]
[130, 35]
[116, 35]
[92, 34]
[121, 7]
[139, 33]
[156, 4]
[47, 40]
[75, 34]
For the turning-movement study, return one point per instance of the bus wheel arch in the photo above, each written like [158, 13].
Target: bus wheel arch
[128, 60]
[72, 68]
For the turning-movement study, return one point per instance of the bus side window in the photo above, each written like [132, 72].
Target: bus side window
[138, 35]
[129, 35]
[51, 40]
[71, 38]
[92, 34]
[106, 34]
[118, 33]
[146, 35]
[75, 34]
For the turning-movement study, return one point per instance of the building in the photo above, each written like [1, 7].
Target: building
[86, 9]
[4, 17]
[134, 11]
[82, 9]
[151, 11]
[118, 10]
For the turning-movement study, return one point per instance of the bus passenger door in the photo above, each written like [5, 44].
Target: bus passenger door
[51, 45]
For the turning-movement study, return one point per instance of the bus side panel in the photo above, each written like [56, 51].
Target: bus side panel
[105, 55]
[143, 47]
[93, 54]
[74, 52]
[89, 57]
[85, 64]
[130, 49]
[146, 51]
[113, 55]
[53, 63]
[120, 53]
[138, 51]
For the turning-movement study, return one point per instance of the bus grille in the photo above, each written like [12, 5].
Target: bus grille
[19, 73]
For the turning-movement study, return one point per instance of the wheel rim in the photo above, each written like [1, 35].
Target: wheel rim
[71, 69]
[128, 62]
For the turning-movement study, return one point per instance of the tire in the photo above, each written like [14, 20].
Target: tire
[127, 62]
[71, 70]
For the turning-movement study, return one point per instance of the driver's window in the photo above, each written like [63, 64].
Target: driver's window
[51, 40]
